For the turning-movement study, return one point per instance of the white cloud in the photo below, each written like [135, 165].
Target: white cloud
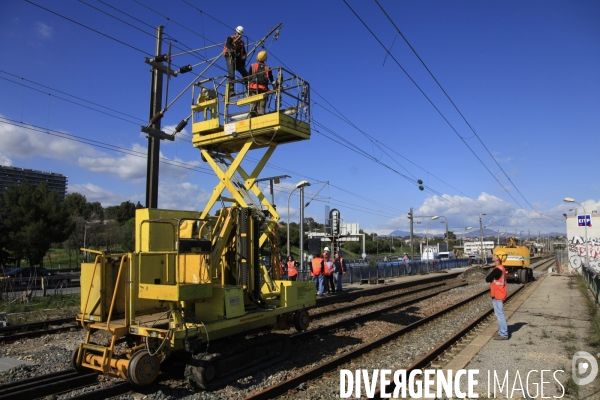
[4, 160]
[16, 141]
[95, 193]
[134, 167]
[44, 31]
[181, 196]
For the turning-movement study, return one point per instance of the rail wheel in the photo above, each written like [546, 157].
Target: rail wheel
[74, 364]
[301, 320]
[143, 368]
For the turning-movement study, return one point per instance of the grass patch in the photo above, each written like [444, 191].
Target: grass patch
[571, 388]
[544, 334]
[592, 308]
[59, 301]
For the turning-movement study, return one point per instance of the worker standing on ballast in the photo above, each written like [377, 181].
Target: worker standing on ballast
[260, 75]
[235, 55]
[498, 289]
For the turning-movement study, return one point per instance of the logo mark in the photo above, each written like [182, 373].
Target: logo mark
[582, 363]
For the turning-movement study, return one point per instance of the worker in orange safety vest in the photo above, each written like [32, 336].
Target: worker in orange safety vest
[498, 289]
[317, 269]
[260, 75]
[292, 271]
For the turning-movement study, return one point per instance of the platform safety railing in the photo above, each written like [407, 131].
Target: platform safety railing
[358, 270]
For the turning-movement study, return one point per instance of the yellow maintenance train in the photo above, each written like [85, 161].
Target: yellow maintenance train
[516, 260]
[194, 277]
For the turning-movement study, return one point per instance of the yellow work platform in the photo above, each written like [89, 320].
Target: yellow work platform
[266, 129]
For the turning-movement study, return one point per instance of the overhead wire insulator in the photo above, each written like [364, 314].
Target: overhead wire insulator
[184, 69]
[161, 58]
[157, 117]
[181, 125]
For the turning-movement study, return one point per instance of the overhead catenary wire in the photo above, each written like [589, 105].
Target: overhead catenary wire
[138, 49]
[453, 104]
[431, 102]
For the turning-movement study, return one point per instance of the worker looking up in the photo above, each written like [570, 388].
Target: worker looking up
[235, 54]
[260, 76]
[497, 280]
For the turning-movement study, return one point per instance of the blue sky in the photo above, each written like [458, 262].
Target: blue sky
[524, 75]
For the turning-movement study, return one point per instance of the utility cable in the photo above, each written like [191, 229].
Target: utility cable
[452, 102]
[87, 27]
[431, 102]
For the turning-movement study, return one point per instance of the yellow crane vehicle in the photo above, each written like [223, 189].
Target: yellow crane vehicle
[516, 260]
[196, 284]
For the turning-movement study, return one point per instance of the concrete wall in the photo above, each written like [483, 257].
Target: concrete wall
[577, 244]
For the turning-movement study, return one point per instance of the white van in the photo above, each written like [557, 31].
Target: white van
[446, 255]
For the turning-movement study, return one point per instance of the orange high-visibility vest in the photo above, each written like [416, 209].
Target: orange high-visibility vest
[317, 266]
[261, 80]
[327, 268]
[291, 266]
[498, 286]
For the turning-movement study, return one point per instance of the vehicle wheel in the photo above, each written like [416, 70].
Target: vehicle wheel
[301, 320]
[530, 274]
[74, 364]
[143, 368]
[523, 275]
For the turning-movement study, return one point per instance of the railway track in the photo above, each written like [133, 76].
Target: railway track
[51, 385]
[35, 329]
[46, 385]
[433, 359]
[346, 358]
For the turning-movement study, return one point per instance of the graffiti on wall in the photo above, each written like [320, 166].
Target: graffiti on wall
[577, 252]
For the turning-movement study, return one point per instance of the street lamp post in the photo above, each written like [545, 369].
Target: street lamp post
[447, 242]
[300, 184]
[481, 238]
[587, 253]
[468, 228]
[427, 237]
[84, 240]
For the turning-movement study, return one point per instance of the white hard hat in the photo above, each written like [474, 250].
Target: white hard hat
[240, 30]
[326, 249]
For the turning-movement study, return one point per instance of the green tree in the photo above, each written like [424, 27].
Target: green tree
[32, 219]
[76, 205]
[96, 212]
[125, 212]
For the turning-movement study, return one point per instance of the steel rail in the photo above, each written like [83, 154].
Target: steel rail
[439, 350]
[294, 382]
[304, 335]
[46, 385]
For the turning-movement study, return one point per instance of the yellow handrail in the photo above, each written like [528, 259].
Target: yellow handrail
[90, 291]
[114, 297]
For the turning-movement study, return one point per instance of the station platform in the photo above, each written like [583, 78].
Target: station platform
[548, 323]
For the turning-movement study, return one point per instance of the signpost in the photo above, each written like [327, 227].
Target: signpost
[584, 220]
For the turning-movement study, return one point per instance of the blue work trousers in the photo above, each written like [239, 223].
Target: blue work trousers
[319, 282]
[338, 281]
[499, 311]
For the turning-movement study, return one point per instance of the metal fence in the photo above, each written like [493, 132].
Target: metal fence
[359, 270]
[593, 280]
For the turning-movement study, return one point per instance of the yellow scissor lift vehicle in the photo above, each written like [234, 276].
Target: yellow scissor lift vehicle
[195, 278]
[516, 260]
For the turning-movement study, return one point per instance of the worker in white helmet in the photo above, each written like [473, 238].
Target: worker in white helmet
[235, 54]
